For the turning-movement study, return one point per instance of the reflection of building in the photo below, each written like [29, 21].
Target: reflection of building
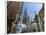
[35, 23]
[39, 20]
[26, 17]
[13, 13]
[26, 21]
[34, 27]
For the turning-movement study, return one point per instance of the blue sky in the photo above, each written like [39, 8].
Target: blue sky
[31, 9]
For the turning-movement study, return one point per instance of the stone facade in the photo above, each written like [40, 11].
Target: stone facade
[13, 14]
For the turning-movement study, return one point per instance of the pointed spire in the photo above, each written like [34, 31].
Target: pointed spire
[35, 13]
[25, 13]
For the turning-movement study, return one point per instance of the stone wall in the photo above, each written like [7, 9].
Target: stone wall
[13, 13]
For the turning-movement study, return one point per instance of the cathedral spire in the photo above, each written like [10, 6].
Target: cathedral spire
[26, 17]
[25, 13]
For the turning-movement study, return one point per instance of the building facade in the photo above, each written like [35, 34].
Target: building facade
[13, 14]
